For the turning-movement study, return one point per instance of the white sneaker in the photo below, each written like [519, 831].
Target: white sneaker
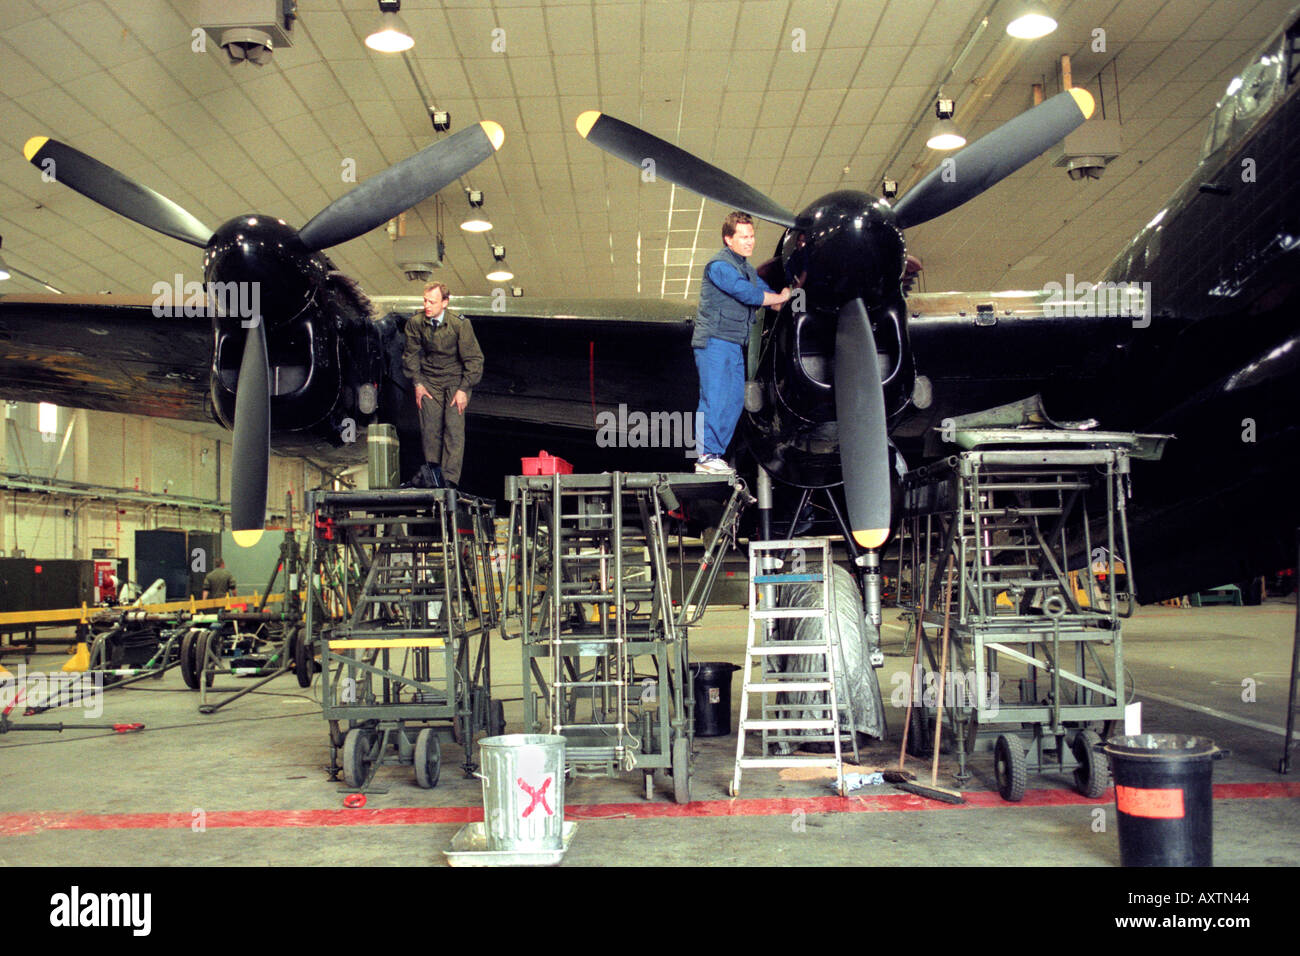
[712, 465]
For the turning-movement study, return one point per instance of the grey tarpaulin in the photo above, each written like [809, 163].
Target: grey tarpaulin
[855, 678]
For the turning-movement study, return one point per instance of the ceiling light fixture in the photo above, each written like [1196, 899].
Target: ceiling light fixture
[944, 134]
[1033, 23]
[477, 222]
[392, 34]
[500, 273]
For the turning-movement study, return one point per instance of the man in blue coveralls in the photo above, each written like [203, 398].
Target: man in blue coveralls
[730, 295]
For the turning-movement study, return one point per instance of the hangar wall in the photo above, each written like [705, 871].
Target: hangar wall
[130, 453]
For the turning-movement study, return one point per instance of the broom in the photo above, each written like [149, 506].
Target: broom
[933, 791]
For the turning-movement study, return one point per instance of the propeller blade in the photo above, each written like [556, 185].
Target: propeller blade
[635, 146]
[992, 158]
[860, 411]
[252, 443]
[106, 186]
[399, 187]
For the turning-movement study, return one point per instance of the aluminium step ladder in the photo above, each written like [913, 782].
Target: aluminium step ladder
[783, 722]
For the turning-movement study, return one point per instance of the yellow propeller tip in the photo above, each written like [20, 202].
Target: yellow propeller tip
[1083, 99]
[586, 121]
[33, 146]
[871, 538]
[494, 133]
[248, 537]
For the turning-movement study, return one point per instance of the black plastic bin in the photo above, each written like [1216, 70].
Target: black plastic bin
[713, 697]
[1164, 799]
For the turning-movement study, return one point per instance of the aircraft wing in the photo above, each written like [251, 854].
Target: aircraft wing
[104, 352]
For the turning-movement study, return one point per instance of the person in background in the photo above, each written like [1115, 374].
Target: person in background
[218, 582]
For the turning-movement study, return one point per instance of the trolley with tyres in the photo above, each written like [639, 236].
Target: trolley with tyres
[404, 609]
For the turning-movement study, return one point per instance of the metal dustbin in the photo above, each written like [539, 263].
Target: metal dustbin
[713, 698]
[1164, 799]
[523, 791]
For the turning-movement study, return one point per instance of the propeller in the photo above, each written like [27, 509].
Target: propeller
[859, 397]
[992, 158]
[674, 164]
[399, 187]
[252, 443]
[111, 189]
[370, 204]
[860, 412]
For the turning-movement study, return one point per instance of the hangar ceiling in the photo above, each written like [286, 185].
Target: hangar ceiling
[799, 97]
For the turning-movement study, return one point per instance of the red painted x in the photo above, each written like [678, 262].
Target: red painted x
[539, 796]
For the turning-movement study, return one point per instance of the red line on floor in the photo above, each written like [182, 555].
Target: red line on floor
[21, 824]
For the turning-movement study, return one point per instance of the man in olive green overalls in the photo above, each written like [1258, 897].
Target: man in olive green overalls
[444, 361]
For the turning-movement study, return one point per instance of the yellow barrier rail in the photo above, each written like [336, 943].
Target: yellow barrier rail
[83, 614]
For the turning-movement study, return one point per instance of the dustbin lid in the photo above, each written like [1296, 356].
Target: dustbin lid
[1164, 746]
[713, 670]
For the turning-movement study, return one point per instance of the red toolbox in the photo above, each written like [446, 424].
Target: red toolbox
[545, 464]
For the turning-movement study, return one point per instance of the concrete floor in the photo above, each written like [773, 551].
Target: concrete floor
[247, 785]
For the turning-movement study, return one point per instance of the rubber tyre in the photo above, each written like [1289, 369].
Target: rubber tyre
[189, 662]
[356, 756]
[1092, 776]
[1009, 767]
[304, 657]
[496, 718]
[682, 770]
[428, 758]
[209, 643]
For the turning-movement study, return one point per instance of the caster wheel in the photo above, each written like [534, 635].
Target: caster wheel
[1092, 776]
[357, 756]
[304, 658]
[189, 663]
[428, 758]
[496, 718]
[682, 770]
[1009, 767]
[205, 658]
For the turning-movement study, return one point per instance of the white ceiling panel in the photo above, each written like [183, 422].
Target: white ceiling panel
[722, 79]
